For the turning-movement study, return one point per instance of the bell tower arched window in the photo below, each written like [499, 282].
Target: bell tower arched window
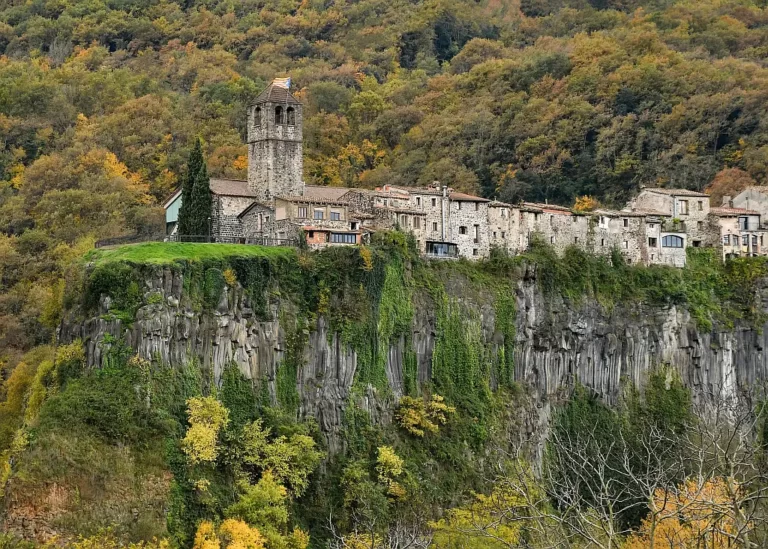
[257, 116]
[279, 117]
[291, 116]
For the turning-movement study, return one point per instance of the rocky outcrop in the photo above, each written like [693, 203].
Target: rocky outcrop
[556, 343]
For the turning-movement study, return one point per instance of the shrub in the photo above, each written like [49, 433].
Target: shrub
[419, 417]
[104, 403]
[207, 416]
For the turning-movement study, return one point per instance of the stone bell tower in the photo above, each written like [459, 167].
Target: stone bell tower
[275, 165]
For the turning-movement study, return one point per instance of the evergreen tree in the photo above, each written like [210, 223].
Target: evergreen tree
[195, 162]
[200, 204]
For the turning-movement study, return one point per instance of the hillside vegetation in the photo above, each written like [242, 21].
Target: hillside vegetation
[101, 101]
[140, 449]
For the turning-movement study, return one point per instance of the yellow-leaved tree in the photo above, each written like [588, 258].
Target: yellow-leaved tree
[489, 522]
[585, 204]
[207, 416]
[231, 534]
[419, 417]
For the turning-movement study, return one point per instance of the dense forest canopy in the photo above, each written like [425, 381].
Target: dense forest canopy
[101, 102]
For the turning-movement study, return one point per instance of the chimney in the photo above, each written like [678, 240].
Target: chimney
[727, 202]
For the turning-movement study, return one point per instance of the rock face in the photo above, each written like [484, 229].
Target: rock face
[556, 343]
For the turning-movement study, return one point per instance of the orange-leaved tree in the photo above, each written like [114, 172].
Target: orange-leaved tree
[692, 515]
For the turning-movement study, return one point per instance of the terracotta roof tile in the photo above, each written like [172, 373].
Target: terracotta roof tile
[230, 187]
[616, 213]
[498, 204]
[326, 193]
[552, 207]
[675, 192]
[732, 212]
[463, 197]
[277, 92]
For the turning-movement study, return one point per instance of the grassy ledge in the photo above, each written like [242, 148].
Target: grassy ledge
[159, 253]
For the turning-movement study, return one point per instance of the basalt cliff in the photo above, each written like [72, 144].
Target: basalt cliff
[506, 324]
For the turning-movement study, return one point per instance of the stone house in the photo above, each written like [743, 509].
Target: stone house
[504, 226]
[683, 211]
[753, 198]
[741, 232]
[618, 230]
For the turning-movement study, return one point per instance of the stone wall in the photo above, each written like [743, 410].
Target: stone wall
[468, 228]
[225, 222]
[258, 222]
[275, 153]
[753, 199]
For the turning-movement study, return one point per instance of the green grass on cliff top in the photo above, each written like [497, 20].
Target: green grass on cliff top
[168, 252]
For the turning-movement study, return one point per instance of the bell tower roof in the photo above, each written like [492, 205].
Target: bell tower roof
[278, 92]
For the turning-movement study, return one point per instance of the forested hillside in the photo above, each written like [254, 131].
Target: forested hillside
[100, 102]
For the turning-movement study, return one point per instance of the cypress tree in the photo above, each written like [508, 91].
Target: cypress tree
[194, 163]
[201, 204]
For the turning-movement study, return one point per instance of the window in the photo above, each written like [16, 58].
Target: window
[434, 202]
[257, 116]
[503, 234]
[727, 240]
[697, 243]
[418, 201]
[416, 223]
[477, 206]
[434, 226]
[302, 212]
[551, 239]
[574, 218]
[503, 212]
[354, 225]
[318, 214]
[385, 202]
[701, 205]
[761, 240]
[754, 240]
[462, 229]
[672, 241]
[494, 234]
[653, 243]
[602, 242]
[335, 216]
[683, 207]
[311, 234]
[458, 205]
[626, 244]
[651, 225]
[343, 238]
[745, 240]
[291, 116]
[626, 222]
[477, 232]
[575, 239]
[700, 225]
[279, 118]
[474, 251]
[403, 220]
